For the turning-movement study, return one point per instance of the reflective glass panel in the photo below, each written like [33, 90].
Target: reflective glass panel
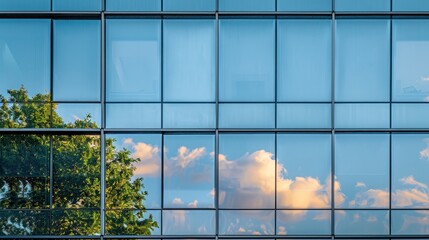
[189, 115]
[25, 5]
[24, 222]
[407, 115]
[128, 222]
[303, 222]
[133, 5]
[246, 222]
[191, 42]
[246, 52]
[304, 60]
[71, 115]
[247, 115]
[133, 60]
[410, 222]
[241, 156]
[25, 115]
[410, 69]
[362, 60]
[354, 222]
[410, 5]
[76, 5]
[298, 115]
[25, 55]
[304, 5]
[183, 222]
[75, 222]
[189, 5]
[363, 115]
[362, 5]
[362, 171]
[247, 5]
[136, 115]
[76, 60]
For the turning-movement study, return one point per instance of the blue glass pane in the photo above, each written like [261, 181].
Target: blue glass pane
[252, 222]
[410, 5]
[303, 115]
[362, 5]
[189, 115]
[407, 115]
[133, 5]
[76, 5]
[72, 115]
[189, 5]
[410, 50]
[77, 60]
[133, 115]
[246, 55]
[410, 222]
[354, 222]
[191, 42]
[133, 60]
[302, 222]
[25, 55]
[365, 115]
[304, 60]
[186, 222]
[247, 5]
[362, 60]
[248, 115]
[304, 5]
[25, 5]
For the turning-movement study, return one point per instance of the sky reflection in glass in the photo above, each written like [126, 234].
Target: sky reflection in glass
[246, 222]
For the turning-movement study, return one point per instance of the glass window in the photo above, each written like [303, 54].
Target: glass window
[247, 115]
[136, 115]
[133, 5]
[76, 5]
[248, 222]
[24, 222]
[71, 115]
[410, 69]
[132, 222]
[76, 60]
[247, 5]
[25, 5]
[362, 171]
[133, 60]
[246, 55]
[410, 222]
[407, 115]
[75, 222]
[189, 115]
[189, 5]
[241, 156]
[361, 222]
[189, 171]
[303, 181]
[304, 60]
[303, 222]
[184, 222]
[362, 60]
[362, 5]
[297, 115]
[304, 5]
[191, 42]
[25, 115]
[410, 5]
[363, 115]
[25, 55]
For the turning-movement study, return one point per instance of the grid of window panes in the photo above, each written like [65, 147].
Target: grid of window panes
[214, 119]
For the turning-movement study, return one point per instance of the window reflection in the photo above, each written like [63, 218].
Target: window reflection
[247, 5]
[24, 222]
[410, 222]
[362, 5]
[143, 115]
[133, 5]
[128, 222]
[75, 222]
[358, 222]
[304, 5]
[25, 5]
[76, 5]
[246, 222]
[410, 5]
[77, 115]
[189, 115]
[363, 115]
[300, 115]
[189, 5]
[303, 222]
[247, 115]
[182, 222]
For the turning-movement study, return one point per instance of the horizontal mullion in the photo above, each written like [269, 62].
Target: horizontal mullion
[31, 14]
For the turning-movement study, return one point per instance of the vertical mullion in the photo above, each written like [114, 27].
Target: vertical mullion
[275, 122]
[51, 159]
[51, 181]
[333, 121]
[217, 122]
[103, 124]
[103, 182]
[162, 183]
[390, 125]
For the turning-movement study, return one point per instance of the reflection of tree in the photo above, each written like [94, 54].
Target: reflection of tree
[25, 176]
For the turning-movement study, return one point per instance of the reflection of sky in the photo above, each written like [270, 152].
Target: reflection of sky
[70, 112]
[180, 222]
[245, 222]
[292, 222]
[356, 222]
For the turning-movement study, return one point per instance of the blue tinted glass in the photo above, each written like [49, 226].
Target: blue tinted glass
[304, 5]
[251, 222]
[191, 42]
[248, 115]
[410, 5]
[299, 222]
[247, 5]
[76, 5]
[365, 115]
[362, 5]
[189, 115]
[410, 41]
[354, 222]
[410, 222]
[72, 115]
[25, 5]
[303, 115]
[304, 60]
[185, 222]
[76, 60]
[133, 115]
[246, 55]
[25, 55]
[189, 5]
[133, 5]
[407, 115]
[362, 60]
[133, 60]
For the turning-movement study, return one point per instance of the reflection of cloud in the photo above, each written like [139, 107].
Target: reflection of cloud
[360, 184]
[282, 230]
[411, 181]
[371, 198]
[193, 204]
[185, 157]
[149, 164]
[425, 78]
[425, 152]
[177, 201]
[426, 99]
[422, 220]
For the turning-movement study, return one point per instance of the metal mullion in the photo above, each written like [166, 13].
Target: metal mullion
[390, 124]
[333, 120]
[51, 180]
[103, 183]
[162, 185]
[217, 183]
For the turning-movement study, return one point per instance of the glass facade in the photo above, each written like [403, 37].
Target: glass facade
[214, 119]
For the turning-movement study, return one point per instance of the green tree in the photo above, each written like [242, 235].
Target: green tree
[25, 207]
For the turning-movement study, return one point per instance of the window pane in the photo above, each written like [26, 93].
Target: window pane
[362, 5]
[183, 222]
[75, 222]
[303, 222]
[77, 116]
[362, 170]
[407, 115]
[25, 51]
[303, 181]
[410, 5]
[410, 222]
[24, 222]
[189, 116]
[246, 60]
[22, 115]
[363, 115]
[303, 115]
[362, 60]
[189, 171]
[77, 60]
[138, 155]
[304, 5]
[25, 5]
[246, 115]
[133, 60]
[133, 5]
[191, 42]
[143, 115]
[304, 60]
[76, 5]
[249, 222]
[247, 5]
[128, 222]
[189, 5]
[241, 156]
[410, 48]
[354, 222]
[410, 165]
